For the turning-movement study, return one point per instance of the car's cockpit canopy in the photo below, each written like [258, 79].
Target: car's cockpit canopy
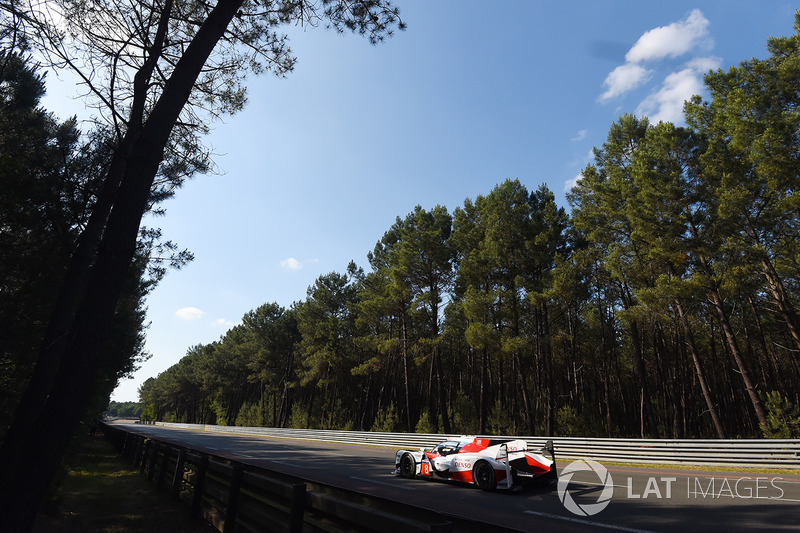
[447, 448]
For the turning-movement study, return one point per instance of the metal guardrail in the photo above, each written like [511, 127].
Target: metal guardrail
[753, 453]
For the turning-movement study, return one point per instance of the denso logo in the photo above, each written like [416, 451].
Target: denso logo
[461, 464]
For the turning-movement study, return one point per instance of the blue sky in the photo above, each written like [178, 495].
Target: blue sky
[318, 165]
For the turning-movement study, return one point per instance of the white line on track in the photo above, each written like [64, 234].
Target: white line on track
[588, 522]
[393, 485]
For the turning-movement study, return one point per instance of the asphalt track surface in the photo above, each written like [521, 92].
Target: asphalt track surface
[643, 499]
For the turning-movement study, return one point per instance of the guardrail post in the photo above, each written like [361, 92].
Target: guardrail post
[164, 461]
[297, 507]
[151, 464]
[233, 499]
[133, 446]
[145, 452]
[177, 477]
[197, 500]
[133, 443]
[141, 450]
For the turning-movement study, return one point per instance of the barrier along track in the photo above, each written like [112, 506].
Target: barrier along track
[233, 496]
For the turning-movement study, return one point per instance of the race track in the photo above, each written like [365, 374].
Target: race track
[644, 499]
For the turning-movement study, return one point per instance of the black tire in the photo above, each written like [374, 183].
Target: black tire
[483, 476]
[408, 466]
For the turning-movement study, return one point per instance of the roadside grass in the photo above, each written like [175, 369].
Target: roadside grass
[99, 491]
[754, 470]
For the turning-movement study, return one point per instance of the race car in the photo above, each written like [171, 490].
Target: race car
[488, 463]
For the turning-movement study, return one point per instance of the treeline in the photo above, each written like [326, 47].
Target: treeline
[663, 305]
[124, 409]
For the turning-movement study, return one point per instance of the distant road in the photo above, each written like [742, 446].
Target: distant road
[644, 499]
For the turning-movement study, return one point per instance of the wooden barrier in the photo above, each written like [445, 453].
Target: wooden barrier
[234, 497]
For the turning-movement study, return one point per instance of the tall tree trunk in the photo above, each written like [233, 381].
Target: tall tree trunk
[733, 346]
[777, 290]
[440, 381]
[548, 373]
[431, 396]
[772, 360]
[785, 307]
[712, 408]
[404, 348]
[483, 397]
[526, 402]
[648, 419]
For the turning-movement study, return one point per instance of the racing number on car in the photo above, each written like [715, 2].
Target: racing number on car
[425, 469]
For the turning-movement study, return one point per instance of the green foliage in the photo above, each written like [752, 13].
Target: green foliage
[569, 423]
[124, 409]
[783, 417]
[299, 417]
[219, 414]
[424, 424]
[500, 420]
[387, 420]
[250, 415]
[464, 415]
[148, 414]
[38, 219]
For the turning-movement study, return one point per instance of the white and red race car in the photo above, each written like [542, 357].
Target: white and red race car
[488, 463]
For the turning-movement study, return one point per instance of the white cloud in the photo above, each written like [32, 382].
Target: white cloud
[703, 64]
[570, 184]
[673, 40]
[580, 136]
[292, 264]
[189, 313]
[666, 104]
[224, 322]
[624, 78]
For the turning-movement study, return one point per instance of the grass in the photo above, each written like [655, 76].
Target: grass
[750, 470]
[100, 491]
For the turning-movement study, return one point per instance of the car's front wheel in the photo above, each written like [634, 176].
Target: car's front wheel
[408, 466]
[483, 476]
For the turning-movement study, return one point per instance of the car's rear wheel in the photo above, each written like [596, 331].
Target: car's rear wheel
[483, 476]
[408, 466]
